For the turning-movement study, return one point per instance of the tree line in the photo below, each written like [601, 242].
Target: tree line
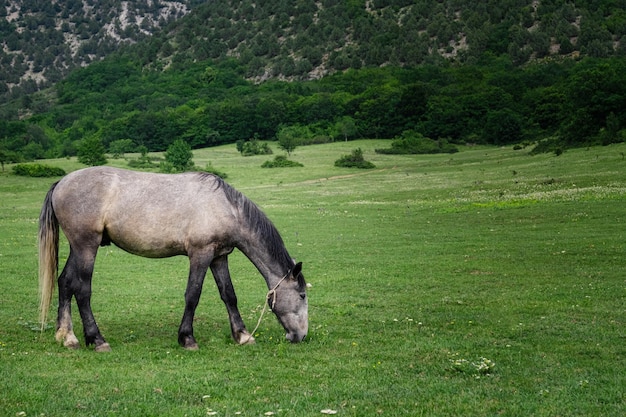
[553, 103]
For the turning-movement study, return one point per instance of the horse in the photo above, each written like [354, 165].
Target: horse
[153, 215]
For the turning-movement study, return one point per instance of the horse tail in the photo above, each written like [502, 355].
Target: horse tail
[48, 240]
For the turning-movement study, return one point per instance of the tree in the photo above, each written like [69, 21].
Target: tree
[611, 134]
[346, 127]
[592, 93]
[377, 111]
[503, 127]
[178, 157]
[91, 151]
[119, 147]
[7, 157]
[289, 138]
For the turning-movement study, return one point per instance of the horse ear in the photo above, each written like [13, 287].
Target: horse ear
[297, 270]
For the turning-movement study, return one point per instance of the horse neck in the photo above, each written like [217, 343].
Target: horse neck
[259, 239]
[273, 266]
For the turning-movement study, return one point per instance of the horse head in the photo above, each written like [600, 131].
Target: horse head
[288, 300]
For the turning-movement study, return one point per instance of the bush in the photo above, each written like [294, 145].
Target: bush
[281, 161]
[253, 147]
[551, 144]
[354, 160]
[178, 157]
[143, 162]
[412, 142]
[37, 170]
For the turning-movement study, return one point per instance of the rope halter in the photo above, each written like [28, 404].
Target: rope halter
[270, 294]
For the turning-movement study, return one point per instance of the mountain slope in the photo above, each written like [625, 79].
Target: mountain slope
[42, 41]
[306, 39]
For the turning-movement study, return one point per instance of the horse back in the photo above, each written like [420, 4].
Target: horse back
[148, 214]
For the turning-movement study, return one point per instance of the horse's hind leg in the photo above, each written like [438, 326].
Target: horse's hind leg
[76, 280]
[220, 271]
[65, 329]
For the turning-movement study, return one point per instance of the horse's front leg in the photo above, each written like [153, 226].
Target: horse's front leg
[219, 268]
[198, 266]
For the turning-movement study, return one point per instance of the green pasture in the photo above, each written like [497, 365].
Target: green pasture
[487, 282]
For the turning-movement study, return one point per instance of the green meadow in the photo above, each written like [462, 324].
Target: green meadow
[486, 282]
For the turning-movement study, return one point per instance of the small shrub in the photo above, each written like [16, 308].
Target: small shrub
[167, 168]
[553, 144]
[143, 162]
[281, 161]
[412, 142]
[354, 160]
[253, 147]
[522, 145]
[37, 170]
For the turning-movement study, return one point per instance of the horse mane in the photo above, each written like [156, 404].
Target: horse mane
[256, 220]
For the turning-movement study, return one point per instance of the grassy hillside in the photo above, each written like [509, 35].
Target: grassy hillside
[481, 283]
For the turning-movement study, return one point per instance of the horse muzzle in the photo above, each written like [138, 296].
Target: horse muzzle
[295, 337]
[296, 325]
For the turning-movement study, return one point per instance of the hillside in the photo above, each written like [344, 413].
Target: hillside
[515, 72]
[43, 41]
[309, 39]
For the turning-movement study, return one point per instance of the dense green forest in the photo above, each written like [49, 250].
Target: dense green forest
[551, 74]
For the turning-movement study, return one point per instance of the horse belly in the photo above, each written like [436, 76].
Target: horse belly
[150, 242]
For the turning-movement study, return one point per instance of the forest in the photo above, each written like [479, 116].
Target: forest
[238, 73]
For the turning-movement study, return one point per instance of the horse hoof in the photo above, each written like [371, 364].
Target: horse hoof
[188, 342]
[71, 342]
[246, 339]
[68, 338]
[105, 347]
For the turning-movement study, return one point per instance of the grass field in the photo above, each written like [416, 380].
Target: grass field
[482, 283]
